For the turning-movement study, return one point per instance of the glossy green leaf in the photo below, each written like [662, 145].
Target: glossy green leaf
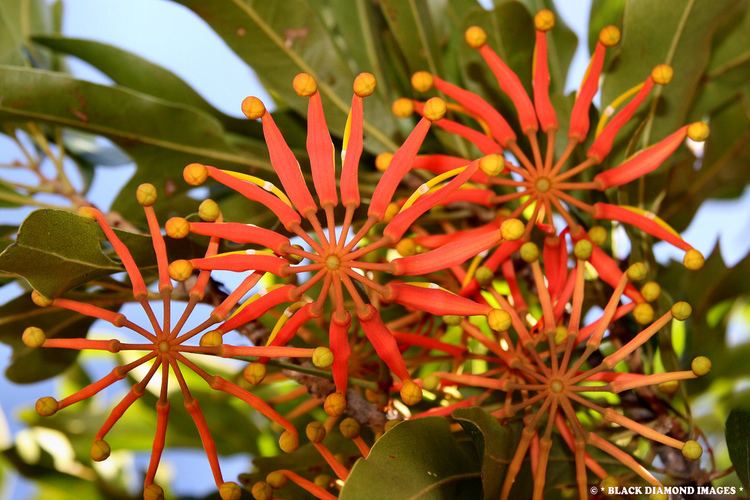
[141, 125]
[32, 365]
[139, 74]
[411, 23]
[675, 32]
[494, 443]
[281, 39]
[603, 13]
[416, 459]
[738, 443]
[19, 19]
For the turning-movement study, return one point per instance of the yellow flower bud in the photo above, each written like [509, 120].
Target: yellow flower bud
[406, 247]
[475, 37]
[485, 275]
[322, 357]
[390, 212]
[609, 36]
[46, 406]
[214, 338]
[276, 479]
[529, 252]
[643, 313]
[261, 491]
[195, 174]
[492, 164]
[304, 84]
[609, 482]
[561, 333]
[364, 84]
[322, 480]
[146, 194]
[670, 387]
[253, 108]
[39, 299]
[153, 492]
[662, 74]
[33, 337]
[499, 320]
[583, 250]
[402, 107]
[434, 109]
[230, 491]
[698, 131]
[254, 373]
[637, 272]
[651, 291]
[411, 393]
[315, 432]
[681, 310]
[383, 161]
[511, 229]
[334, 404]
[177, 228]
[180, 270]
[349, 428]
[100, 450]
[692, 450]
[209, 210]
[421, 81]
[544, 20]
[288, 442]
[701, 365]
[693, 259]
[598, 235]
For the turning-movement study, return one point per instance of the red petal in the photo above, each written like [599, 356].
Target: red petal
[544, 110]
[438, 164]
[287, 167]
[579, 117]
[338, 340]
[259, 307]
[242, 233]
[434, 300]
[411, 339]
[286, 214]
[401, 163]
[382, 340]
[320, 150]
[403, 220]
[625, 216]
[603, 144]
[474, 104]
[512, 86]
[353, 148]
[643, 162]
[242, 262]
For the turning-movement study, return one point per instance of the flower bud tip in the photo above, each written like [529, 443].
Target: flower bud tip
[609, 36]
[544, 20]
[322, 357]
[475, 37]
[177, 228]
[146, 194]
[402, 107]
[511, 229]
[253, 108]
[364, 84]
[701, 366]
[33, 337]
[422, 81]
[288, 442]
[315, 432]
[304, 84]
[692, 450]
[662, 74]
[195, 174]
[411, 393]
[180, 270]
[492, 164]
[693, 260]
[334, 404]
[254, 373]
[434, 109]
[209, 210]
[100, 450]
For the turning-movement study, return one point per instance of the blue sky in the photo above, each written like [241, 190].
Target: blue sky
[173, 37]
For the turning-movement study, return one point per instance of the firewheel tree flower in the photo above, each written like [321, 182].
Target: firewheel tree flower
[164, 349]
[340, 264]
[554, 369]
[543, 184]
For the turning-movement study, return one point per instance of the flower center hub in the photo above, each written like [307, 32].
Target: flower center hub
[333, 262]
[164, 346]
[556, 386]
[543, 184]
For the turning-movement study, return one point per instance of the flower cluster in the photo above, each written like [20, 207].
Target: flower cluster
[387, 283]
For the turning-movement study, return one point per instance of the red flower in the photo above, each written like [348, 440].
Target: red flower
[165, 349]
[342, 265]
[545, 184]
[548, 374]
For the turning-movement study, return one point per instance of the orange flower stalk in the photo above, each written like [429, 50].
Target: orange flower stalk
[341, 264]
[542, 183]
[164, 349]
[548, 373]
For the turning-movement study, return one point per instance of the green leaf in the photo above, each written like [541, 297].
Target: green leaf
[55, 251]
[412, 26]
[494, 443]
[675, 32]
[281, 39]
[738, 443]
[32, 365]
[139, 74]
[416, 459]
[18, 19]
[143, 126]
